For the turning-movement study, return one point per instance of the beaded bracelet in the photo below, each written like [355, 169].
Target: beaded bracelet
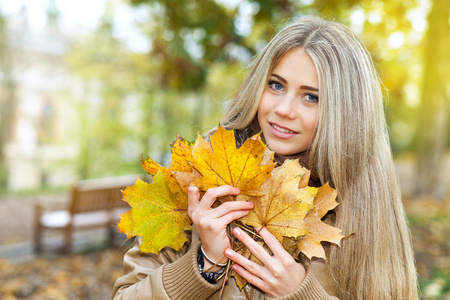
[210, 260]
[210, 277]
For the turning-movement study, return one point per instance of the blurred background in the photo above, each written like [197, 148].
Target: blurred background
[87, 87]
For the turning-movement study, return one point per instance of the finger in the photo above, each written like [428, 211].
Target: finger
[256, 249]
[231, 216]
[279, 253]
[227, 207]
[271, 241]
[251, 278]
[193, 198]
[193, 195]
[213, 193]
[250, 267]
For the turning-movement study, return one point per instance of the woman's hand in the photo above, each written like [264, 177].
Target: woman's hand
[279, 276]
[211, 223]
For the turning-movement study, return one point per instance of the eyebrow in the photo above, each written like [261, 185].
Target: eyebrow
[305, 87]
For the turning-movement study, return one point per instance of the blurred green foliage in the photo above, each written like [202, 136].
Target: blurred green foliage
[197, 58]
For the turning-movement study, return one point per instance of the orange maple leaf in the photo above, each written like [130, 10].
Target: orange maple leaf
[310, 244]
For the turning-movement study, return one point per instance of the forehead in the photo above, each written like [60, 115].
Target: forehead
[297, 65]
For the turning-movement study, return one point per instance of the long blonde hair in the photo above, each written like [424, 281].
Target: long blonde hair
[350, 151]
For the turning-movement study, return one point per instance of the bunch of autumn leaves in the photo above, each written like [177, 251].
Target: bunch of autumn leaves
[283, 202]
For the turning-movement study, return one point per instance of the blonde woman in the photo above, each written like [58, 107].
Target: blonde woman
[314, 93]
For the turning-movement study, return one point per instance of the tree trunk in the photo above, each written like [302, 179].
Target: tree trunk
[7, 100]
[432, 119]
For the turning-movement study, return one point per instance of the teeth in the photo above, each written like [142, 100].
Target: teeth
[281, 129]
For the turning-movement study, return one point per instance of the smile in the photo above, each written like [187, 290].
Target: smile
[282, 129]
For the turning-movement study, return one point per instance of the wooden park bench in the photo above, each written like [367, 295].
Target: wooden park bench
[93, 204]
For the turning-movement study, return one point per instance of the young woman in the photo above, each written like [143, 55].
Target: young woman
[314, 93]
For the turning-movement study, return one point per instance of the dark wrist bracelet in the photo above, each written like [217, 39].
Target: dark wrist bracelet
[211, 277]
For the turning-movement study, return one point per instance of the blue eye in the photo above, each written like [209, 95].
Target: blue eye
[275, 85]
[312, 98]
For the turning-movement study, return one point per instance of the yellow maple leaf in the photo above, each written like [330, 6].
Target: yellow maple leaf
[181, 155]
[152, 167]
[180, 158]
[178, 181]
[157, 214]
[282, 206]
[220, 163]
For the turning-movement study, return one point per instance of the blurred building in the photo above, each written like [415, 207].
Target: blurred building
[36, 152]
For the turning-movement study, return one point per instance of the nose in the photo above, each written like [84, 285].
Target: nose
[285, 108]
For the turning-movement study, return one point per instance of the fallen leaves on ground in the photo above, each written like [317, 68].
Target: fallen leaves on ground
[77, 277]
[429, 222]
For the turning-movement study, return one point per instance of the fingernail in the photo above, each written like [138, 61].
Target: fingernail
[192, 188]
[236, 231]
[250, 204]
[237, 190]
[228, 253]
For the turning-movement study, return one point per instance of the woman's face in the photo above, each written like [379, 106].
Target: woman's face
[287, 112]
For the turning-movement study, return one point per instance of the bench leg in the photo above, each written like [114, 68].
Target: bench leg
[37, 240]
[37, 229]
[67, 247]
[110, 236]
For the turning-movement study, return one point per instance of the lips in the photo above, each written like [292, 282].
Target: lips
[281, 131]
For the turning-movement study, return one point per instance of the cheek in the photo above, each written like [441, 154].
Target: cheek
[261, 111]
[309, 121]
[265, 106]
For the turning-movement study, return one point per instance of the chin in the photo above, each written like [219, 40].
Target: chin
[282, 150]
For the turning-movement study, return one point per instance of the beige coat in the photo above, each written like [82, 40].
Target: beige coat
[175, 275]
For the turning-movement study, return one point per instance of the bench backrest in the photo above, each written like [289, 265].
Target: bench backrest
[95, 195]
[96, 199]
